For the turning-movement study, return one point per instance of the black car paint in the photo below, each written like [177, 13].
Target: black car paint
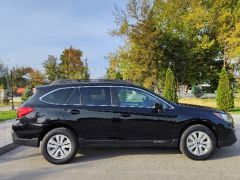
[117, 126]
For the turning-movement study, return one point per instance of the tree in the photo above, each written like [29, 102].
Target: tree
[86, 74]
[51, 68]
[3, 75]
[118, 76]
[25, 76]
[21, 76]
[71, 65]
[156, 35]
[35, 78]
[27, 93]
[170, 88]
[225, 100]
[138, 60]
[226, 16]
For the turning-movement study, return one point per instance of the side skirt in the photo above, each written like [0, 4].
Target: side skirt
[128, 143]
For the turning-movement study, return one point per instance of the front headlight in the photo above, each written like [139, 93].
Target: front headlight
[225, 117]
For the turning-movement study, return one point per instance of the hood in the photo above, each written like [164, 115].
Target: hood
[200, 108]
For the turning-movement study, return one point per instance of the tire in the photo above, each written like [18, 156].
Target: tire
[59, 146]
[195, 147]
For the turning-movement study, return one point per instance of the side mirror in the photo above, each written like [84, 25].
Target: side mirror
[158, 107]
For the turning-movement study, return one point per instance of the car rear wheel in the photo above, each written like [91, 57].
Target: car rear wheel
[59, 146]
[198, 142]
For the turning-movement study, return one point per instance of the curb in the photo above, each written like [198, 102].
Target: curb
[10, 146]
[7, 148]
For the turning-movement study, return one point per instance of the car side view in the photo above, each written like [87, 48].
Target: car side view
[70, 114]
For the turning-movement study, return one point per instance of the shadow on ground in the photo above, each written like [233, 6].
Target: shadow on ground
[87, 155]
[20, 157]
[93, 154]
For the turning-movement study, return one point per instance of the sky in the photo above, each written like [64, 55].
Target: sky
[30, 30]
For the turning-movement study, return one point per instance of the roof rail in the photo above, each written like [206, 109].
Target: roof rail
[67, 81]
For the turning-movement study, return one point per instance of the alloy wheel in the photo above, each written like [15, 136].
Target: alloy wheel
[59, 146]
[199, 143]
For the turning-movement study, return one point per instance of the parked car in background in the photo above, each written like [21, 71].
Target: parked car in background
[68, 114]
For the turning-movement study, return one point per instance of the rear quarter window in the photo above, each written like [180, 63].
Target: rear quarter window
[59, 96]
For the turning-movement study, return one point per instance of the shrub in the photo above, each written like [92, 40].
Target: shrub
[225, 99]
[170, 87]
[27, 94]
[118, 76]
[197, 91]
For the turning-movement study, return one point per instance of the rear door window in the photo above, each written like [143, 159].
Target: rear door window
[59, 96]
[74, 99]
[95, 96]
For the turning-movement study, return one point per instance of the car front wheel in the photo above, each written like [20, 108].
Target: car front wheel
[59, 146]
[198, 142]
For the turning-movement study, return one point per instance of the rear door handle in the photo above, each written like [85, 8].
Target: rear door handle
[73, 111]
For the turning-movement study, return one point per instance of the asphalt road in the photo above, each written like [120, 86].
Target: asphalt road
[25, 163]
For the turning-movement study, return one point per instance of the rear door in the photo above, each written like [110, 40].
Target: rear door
[89, 109]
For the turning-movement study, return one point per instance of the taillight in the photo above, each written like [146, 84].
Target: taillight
[23, 111]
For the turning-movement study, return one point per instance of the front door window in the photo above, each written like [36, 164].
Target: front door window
[131, 97]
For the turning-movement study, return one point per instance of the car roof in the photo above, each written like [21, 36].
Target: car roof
[92, 82]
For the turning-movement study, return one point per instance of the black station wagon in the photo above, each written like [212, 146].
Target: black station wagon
[70, 114]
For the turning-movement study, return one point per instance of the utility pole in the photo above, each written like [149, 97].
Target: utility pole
[11, 74]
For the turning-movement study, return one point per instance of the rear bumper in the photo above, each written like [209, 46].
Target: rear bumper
[229, 139]
[24, 142]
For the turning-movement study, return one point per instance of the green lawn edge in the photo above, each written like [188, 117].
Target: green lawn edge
[7, 115]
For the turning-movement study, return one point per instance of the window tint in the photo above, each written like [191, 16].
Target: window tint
[75, 97]
[59, 96]
[95, 96]
[133, 97]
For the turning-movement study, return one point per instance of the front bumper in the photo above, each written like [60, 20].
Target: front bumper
[25, 142]
[229, 139]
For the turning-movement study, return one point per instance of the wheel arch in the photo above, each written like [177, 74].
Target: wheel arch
[54, 126]
[202, 122]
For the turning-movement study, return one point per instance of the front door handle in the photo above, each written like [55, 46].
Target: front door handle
[73, 111]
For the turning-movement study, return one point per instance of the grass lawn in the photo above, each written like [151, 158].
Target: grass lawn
[5, 115]
[211, 103]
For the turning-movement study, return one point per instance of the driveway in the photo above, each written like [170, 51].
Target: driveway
[25, 163]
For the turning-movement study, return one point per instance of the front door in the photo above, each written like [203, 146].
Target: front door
[139, 119]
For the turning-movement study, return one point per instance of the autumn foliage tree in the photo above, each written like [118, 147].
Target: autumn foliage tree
[71, 65]
[195, 36]
[21, 75]
[35, 78]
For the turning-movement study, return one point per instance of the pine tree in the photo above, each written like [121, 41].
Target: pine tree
[225, 99]
[50, 66]
[170, 87]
